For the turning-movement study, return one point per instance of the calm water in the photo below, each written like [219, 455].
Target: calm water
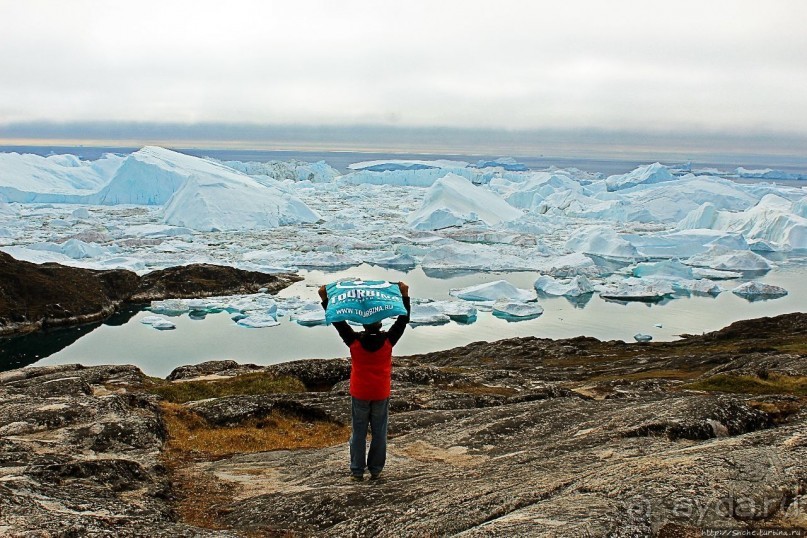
[127, 341]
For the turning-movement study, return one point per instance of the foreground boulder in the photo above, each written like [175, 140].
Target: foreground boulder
[523, 437]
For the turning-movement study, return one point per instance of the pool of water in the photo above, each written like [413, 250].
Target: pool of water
[124, 340]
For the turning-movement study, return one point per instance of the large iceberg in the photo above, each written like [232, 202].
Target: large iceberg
[453, 201]
[57, 178]
[651, 173]
[773, 219]
[232, 201]
[318, 172]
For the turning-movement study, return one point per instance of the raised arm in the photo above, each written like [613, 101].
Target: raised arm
[396, 331]
[342, 327]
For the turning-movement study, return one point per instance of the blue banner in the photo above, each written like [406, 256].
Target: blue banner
[363, 301]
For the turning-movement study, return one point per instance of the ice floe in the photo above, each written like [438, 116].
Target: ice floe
[516, 310]
[759, 290]
[493, 291]
[575, 287]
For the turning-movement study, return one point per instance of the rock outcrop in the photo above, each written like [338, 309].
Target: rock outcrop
[34, 296]
[523, 437]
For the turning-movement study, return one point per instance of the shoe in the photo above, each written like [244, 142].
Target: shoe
[375, 476]
[357, 477]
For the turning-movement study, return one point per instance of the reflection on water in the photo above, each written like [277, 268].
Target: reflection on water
[124, 340]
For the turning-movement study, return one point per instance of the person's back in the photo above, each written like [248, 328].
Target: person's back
[370, 384]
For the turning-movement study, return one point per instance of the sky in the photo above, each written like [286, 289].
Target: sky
[720, 67]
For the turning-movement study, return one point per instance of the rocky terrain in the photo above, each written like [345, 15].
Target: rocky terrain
[521, 437]
[38, 296]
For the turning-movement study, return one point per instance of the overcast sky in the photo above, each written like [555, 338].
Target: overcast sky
[725, 66]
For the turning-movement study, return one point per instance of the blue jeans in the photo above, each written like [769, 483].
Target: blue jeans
[373, 413]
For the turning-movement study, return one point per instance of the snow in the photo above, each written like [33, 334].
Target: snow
[454, 201]
[493, 291]
[755, 289]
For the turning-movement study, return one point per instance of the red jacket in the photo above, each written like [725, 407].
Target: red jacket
[370, 371]
[371, 356]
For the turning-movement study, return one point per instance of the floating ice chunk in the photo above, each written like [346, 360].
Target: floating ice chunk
[575, 287]
[634, 289]
[714, 274]
[651, 173]
[157, 230]
[427, 314]
[458, 311]
[667, 268]
[493, 291]
[310, 318]
[701, 286]
[158, 323]
[453, 201]
[639, 337]
[258, 321]
[170, 307]
[743, 260]
[759, 290]
[571, 265]
[601, 241]
[80, 213]
[516, 310]
[395, 260]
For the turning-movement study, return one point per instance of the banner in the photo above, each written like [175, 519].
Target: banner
[363, 301]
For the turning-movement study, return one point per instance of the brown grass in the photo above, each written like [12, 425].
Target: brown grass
[682, 375]
[191, 435]
[255, 383]
[751, 384]
[202, 499]
[478, 388]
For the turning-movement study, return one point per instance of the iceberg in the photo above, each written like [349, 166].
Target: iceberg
[773, 219]
[575, 287]
[258, 321]
[233, 202]
[493, 291]
[427, 314]
[718, 258]
[571, 265]
[634, 289]
[454, 201]
[516, 310]
[458, 311]
[667, 268]
[767, 173]
[651, 173]
[758, 290]
[158, 323]
[56, 178]
[318, 172]
[639, 337]
[601, 241]
[75, 249]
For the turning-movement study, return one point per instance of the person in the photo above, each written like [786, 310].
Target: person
[370, 379]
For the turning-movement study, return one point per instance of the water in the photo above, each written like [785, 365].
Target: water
[124, 340]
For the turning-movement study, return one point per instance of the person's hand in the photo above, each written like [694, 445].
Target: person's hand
[404, 289]
[323, 293]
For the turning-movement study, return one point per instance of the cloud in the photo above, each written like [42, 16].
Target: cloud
[723, 64]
